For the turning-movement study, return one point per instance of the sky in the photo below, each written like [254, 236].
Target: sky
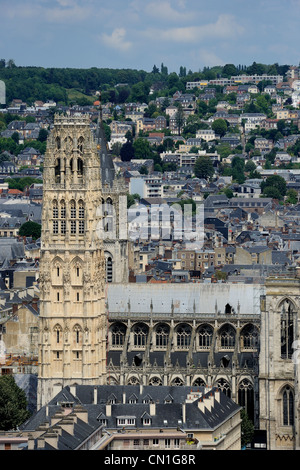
[139, 34]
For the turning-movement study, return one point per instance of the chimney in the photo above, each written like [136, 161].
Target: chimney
[152, 408]
[95, 395]
[51, 437]
[201, 405]
[183, 412]
[217, 395]
[124, 398]
[67, 424]
[56, 417]
[40, 443]
[108, 409]
[81, 413]
[30, 442]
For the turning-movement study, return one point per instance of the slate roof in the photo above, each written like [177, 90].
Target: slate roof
[168, 409]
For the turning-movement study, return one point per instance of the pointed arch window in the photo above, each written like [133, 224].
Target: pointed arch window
[224, 386]
[249, 337]
[81, 217]
[288, 406]
[162, 336]
[63, 217]
[118, 335]
[80, 144]
[58, 333]
[140, 333]
[77, 334]
[55, 217]
[183, 335]
[246, 397]
[73, 217]
[287, 329]
[108, 269]
[227, 337]
[205, 334]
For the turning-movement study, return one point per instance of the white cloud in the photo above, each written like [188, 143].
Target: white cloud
[163, 10]
[209, 58]
[117, 39]
[225, 27]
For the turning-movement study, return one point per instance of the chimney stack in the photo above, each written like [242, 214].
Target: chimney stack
[152, 407]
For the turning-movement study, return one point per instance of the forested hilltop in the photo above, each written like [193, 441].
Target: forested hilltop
[68, 86]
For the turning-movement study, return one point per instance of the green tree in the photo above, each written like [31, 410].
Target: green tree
[274, 181]
[292, 196]
[220, 127]
[142, 148]
[250, 166]
[204, 167]
[127, 152]
[179, 118]
[43, 134]
[271, 191]
[13, 404]
[247, 429]
[30, 229]
[229, 70]
[131, 199]
[238, 166]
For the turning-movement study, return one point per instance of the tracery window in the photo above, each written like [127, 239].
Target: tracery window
[199, 383]
[155, 381]
[177, 382]
[183, 334]
[249, 337]
[224, 386]
[140, 333]
[287, 329]
[118, 332]
[133, 381]
[162, 336]
[205, 334]
[227, 337]
[246, 397]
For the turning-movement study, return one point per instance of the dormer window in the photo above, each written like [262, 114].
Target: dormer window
[126, 421]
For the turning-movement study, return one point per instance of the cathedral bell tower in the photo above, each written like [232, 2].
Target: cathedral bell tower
[72, 347]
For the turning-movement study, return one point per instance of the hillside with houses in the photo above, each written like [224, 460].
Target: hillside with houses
[226, 139]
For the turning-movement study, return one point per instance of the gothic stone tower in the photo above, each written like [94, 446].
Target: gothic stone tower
[72, 265]
[279, 362]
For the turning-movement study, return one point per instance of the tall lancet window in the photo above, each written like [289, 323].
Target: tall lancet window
[55, 217]
[287, 329]
[288, 406]
[81, 217]
[73, 217]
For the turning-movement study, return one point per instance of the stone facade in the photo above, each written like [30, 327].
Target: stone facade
[72, 263]
[279, 364]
